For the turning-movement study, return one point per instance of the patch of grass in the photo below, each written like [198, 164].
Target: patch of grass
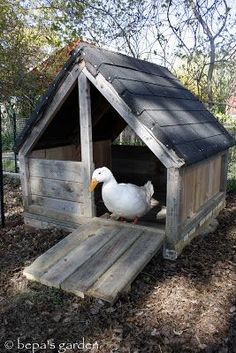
[8, 165]
[231, 185]
[7, 141]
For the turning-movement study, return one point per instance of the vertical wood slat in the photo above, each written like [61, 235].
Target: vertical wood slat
[204, 183]
[25, 177]
[224, 171]
[218, 167]
[197, 187]
[86, 140]
[174, 186]
[200, 183]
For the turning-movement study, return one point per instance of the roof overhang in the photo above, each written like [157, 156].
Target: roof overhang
[168, 157]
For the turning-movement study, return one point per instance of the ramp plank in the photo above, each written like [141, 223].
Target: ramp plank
[99, 259]
[90, 271]
[130, 264]
[74, 259]
[43, 262]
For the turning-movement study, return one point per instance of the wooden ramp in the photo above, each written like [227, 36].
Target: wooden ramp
[99, 259]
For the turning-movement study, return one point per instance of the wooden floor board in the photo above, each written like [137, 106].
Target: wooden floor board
[125, 270]
[78, 256]
[99, 259]
[88, 273]
[51, 256]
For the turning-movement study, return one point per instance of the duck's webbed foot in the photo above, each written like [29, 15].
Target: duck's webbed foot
[114, 217]
[135, 220]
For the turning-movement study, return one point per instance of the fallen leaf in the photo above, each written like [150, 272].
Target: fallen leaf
[155, 332]
[94, 310]
[178, 333]
[202, 346]
[110, 310]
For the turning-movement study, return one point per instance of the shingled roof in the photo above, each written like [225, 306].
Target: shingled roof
[157, 99]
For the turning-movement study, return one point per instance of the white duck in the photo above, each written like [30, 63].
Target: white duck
[124, 200]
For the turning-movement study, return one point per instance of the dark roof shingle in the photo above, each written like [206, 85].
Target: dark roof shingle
[158, 99]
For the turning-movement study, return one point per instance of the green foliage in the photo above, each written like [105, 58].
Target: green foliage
[8, 165]
[226, 120]
[193, 74]
[7, 141]
[231, 180]
[28, 37]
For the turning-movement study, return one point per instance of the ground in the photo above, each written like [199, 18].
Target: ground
[174, 307]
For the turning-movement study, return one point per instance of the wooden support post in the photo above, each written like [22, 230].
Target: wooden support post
[224, 170]
[25, 180]
[86, 141]
[173, 204]
[167, 156]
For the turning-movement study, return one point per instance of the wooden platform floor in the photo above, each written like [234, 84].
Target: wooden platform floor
[99, 259]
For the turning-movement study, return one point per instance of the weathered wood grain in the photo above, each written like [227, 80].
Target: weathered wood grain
[57, 170]
[101, 155]
[42, 222]
[202, 212]
[24, 177]
[200, 183]
[63, 153]
[87, 274]
[40, 154]
[36, 218]
[58, 204]
[55, 214]
[86, 141]
[129, 226]
[224, 170]
[173, 204]
[54, 254]
[78, 256]
[66, 153]
[65, 190]
[94, 255]
[122, 273]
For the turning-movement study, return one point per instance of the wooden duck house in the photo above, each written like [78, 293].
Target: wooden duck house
[94, 97]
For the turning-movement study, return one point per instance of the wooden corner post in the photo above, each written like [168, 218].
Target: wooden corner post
[224, 171]
[86, 141]
[25, 182]
[173, 213]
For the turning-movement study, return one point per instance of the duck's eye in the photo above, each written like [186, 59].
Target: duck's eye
[100, 173]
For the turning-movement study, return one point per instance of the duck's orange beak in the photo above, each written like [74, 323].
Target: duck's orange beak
[92, 185]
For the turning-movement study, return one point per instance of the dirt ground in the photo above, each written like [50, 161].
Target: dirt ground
[174, 307]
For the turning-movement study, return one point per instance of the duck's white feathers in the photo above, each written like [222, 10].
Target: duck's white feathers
[124, 200]
[127, 200]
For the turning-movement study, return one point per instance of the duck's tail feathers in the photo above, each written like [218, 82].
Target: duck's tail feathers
[149, 189]
[154, 202]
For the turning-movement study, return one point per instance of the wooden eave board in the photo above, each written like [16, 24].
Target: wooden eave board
[99, 259]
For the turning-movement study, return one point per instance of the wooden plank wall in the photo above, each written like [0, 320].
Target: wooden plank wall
[56, 185]
[64, 153]
[56, 180]
[101, 153]
[199, 184]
